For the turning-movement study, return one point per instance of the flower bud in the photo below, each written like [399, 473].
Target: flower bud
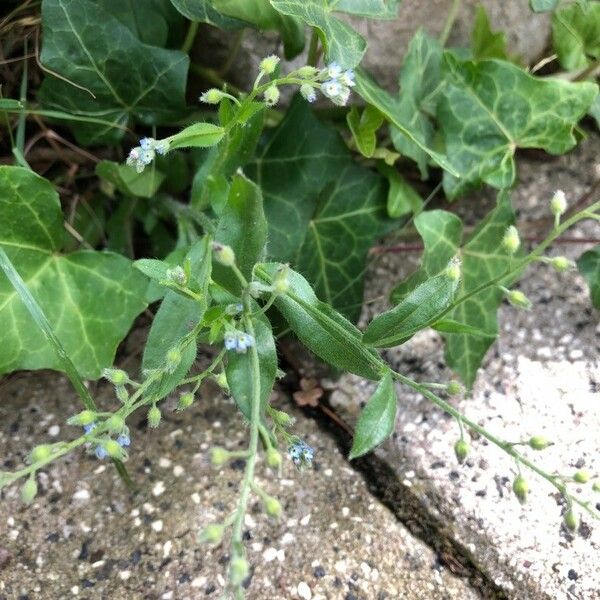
[307, 72]
[273, 507]
[212, 96]
[521, 488]
[558, 204]
[115, 376]
[273, 458]
[281, 282]
[177, 275]
[596, 486]
[271, 95]
[281, 418]
[539, 442]
[29, 490]
[85, 417]
[224, 254]
[308, 92]
[461, 449]
[238, 570]
[581, 476]
[173, 359]
[154, 416]
[269, 64]
[453, 269]
[562, 263]
[511, 240]
[221, 381]
[115, 424]
[454, 388]
[571, 520]
[212, 534]
[113, 449]
[122, 393]
[519, 299]
[218, 456]
[40, 453]
[185, 400]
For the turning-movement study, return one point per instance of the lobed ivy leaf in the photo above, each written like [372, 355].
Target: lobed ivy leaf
[321, 328]
[484, 42]
[377, 419]
[543, 5]
[589, 267]
[90, 298]
[363, 127]
[202, 11]
[128, 181]
[576, 35]
[92, 52]
[372, 9]
[342, 44]
[490, 108]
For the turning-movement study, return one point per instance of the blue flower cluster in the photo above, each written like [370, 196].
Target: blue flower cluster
[238, 341]
[142, 155]
[301, 454]
[100, 451]
[337, 87]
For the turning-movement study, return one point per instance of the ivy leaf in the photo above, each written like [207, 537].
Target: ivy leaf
[484, 42]
[389, 106]
[420, 79]
[483, 259]
[342, 44]
[363, 127]
[402, 198]
[320, 328]
[377, 419]
[441, 233]
[372, 9]
[239, 371]
[128, 181]
[93, 51]
[202, 11]
[90, 298]
[490, 108]
[589, 267]
[576, 35]
[543, 5]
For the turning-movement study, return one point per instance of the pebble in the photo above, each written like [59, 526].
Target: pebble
[124, 575]
[158, 489]
[157, 526]
[82, 494]
[164, 462]
[54, 431]
[198, 582]
[304, 591]
[195, 498]
[178, 470]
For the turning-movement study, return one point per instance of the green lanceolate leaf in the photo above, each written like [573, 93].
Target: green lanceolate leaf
[441, 233]
[419, 83]
[483, 260]
[342, 44]
[402, 198]
[90, 298]
[242, 225]
[543, 5]
[176, 318]
[377, 419]
[94, 52]
[372, 9]
[128, 181]
[450, 326]
[198, 135]
[239, 372]
[490, 108]
[576, 35]
[589, 267]
[364, 127]
[389, 106]
[420, 309]
[484, 42]
[322, 329]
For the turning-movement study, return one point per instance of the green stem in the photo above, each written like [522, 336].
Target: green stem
[450, 19]
[190, 36]
[313, 49]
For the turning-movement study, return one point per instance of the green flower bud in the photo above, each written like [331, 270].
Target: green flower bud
[596, 486]
[29, 490]
[461, 449]
[454, 388]
[177, 275]
[571, 520]
[562, 264]
[281, 282]
[185, 400]
[154, 416]
[218, 456]
[115, 376]
[212, 96]
[173, 359]
[519, 299]
[273, 458]
[224, 254]
[558, 204]
[581, 476]
[281, 418]
[521, 488]
[271, 95]
[40, 453]
[511, 240]
[269, 64]
[221, 381]
[85, 417]
[212, 534]
[273, 507]
[238, 570]
[113, 449]
[539, 442]
[307, 72]
[122, 393]
[115, 424]
[453, 269]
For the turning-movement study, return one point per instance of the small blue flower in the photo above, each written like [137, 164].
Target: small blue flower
[230, 342]
[331, 88]
[348, 78]
[100, 452]
[123, 440]
[147, 143]
[89, 428]
[334, 70]
[147, 156]
[301, 454]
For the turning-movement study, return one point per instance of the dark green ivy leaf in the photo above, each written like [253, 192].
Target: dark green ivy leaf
[589, 267]
[576, 35]
[543, 5]
[364, 127]
[484, 42]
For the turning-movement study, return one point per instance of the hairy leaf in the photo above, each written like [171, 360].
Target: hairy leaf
[490, 108]
[377, 419]
[576, 35]
[589, 267]
[90, 298]
[93, 53]
[198, 135]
